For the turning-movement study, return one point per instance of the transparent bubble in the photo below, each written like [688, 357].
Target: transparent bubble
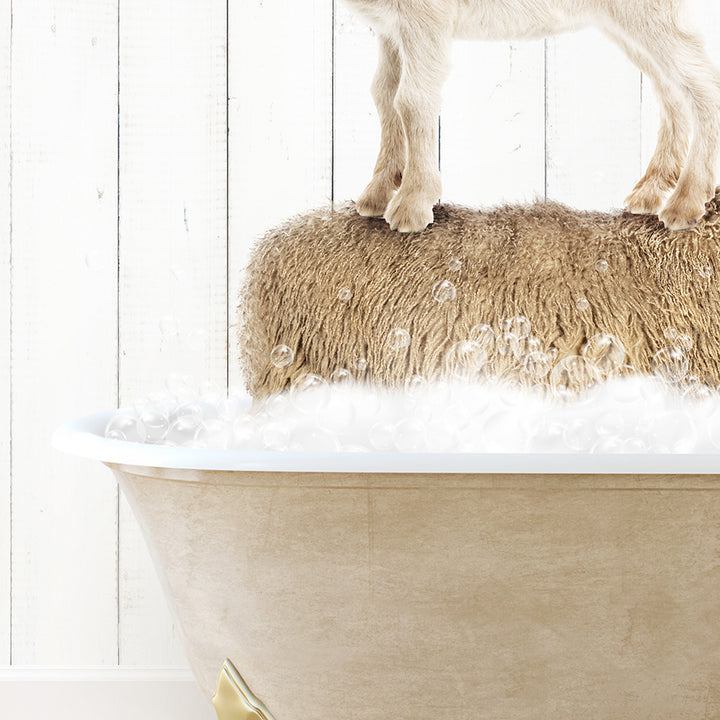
[484, 335]
[610, 423]
[276, 436]
[455, 264]
[582, 304]
[506, 343]
[282, 356]
[466, 356]
[444, 291]
[341, 376]
[573, 375]
[579, 434]
[706, 271]
[520, 326]
[415, 384]
[381, 436]
[315, 439]
[527, 346]
[670, 364]
[537, 365]
[245, 433]
[277, 406]
[344, 294]
[605, 352]
[670, 334]
[360, 364]
[309, 393]
[409, 435]
[601, 266]
[153, 426]
[398, 339]
[121, 426]
[684, 342]
[214, 433]
[183, 429]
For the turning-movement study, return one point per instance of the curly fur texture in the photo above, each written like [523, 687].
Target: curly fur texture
[532, 260]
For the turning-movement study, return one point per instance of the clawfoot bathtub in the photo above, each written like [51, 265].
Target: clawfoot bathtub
[498, 587]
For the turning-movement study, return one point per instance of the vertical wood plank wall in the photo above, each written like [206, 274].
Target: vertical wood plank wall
[151, 144]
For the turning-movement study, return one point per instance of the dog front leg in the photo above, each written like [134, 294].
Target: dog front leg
[424, 50]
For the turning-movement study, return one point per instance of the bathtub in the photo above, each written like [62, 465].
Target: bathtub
[472, 587]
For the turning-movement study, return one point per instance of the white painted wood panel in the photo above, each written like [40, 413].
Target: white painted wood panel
[280, 113]
[493, 124]
[5, 285]
[64, 306]
[173, 248]
[356, 125]
[593, 121]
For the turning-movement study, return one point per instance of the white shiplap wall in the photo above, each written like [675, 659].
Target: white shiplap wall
[151, 143]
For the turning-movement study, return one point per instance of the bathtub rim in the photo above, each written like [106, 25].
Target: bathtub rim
[84, 437]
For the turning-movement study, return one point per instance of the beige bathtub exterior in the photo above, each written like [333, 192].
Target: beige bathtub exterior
[471, 597]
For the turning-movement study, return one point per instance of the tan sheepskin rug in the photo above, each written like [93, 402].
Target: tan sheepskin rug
[334, 287]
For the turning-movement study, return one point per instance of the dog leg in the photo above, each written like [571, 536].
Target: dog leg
[391, 159]
[424, 50]
[667, 161]
[682, 59]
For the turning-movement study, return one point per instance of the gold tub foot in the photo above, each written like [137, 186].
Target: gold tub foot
[233, 699]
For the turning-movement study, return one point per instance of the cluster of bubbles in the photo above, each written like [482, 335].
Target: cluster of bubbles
[498, 390]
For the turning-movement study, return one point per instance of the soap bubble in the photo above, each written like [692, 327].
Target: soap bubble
[579, 434]
[310, 439]
[277, 406]
[121, 426]
[484, 335]
[398, 339]
[601, 266]
[309, 393]
[582, 304]
[670, 334]
[466, 356]
[282, 356]
[415, 384]
[360, 364]
[381, 436]
[506, 343]
[214, 433]
[670, 364]
[684, 342]
[344, 294]
[183, 429]
[527, 346]
[409, 435]
[572, 375]
[455, 264]
[706, 271]
[605, 351]
[153, 426]
[444, 291]
[537, 365]
[276, 436]
[520, 326]
[341, 376]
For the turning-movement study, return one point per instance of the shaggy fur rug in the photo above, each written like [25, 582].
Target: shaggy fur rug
[544, 261]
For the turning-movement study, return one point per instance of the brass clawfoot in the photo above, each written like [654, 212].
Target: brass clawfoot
[233, 699]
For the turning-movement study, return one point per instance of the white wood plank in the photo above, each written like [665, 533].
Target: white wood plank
[493, 124]
[64, 350]
[280, 112]
[356, 126]
[593, 121]
[173, 247]
[5, 277]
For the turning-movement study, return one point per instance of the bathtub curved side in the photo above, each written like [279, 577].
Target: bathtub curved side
[499, 596]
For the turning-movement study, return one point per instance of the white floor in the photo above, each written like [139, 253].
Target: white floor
[106, 693]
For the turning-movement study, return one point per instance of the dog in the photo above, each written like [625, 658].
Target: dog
[415, 38]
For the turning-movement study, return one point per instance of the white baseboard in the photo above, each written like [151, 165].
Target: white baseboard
[105, 693]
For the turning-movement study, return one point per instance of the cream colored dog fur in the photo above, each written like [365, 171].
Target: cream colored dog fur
[415, 38]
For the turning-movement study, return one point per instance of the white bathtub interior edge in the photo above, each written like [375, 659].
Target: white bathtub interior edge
[84, 437]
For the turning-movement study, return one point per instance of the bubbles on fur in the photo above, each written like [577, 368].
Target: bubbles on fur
[501, 391]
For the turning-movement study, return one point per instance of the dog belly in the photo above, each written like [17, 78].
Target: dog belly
[502, 20]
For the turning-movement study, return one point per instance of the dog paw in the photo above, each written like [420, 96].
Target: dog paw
[682, 212]
[408, 213]
[645, 199]
[375, 197]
